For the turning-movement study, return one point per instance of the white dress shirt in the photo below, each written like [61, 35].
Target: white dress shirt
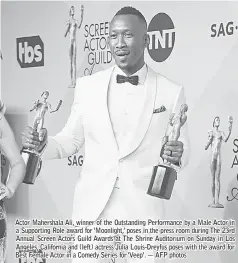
[125, 103]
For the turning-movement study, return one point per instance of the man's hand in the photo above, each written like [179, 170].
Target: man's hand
[173, 151]
[34, 140]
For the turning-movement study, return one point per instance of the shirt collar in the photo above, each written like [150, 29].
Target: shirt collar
[141, 73]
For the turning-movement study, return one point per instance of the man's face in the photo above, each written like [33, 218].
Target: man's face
[127, 41]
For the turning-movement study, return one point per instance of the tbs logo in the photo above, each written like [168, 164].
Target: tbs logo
[162, 37]
[30, 52]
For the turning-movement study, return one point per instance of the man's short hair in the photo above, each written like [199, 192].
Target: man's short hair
[129, 10]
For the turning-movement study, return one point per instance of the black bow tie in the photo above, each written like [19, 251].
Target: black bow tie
[132, 79]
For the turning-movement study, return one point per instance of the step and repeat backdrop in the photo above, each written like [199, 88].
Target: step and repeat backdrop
[46, 45]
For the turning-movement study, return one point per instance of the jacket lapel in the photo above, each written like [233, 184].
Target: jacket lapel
[133, 142]
[104, 119]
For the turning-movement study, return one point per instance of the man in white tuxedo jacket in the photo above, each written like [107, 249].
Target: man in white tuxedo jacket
[115, 118]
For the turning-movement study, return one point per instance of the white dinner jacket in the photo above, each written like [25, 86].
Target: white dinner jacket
[89, 122]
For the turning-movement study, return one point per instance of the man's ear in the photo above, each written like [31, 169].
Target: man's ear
[147, 40]
[108, 41]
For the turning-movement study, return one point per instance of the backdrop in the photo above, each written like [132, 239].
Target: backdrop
[192, 43]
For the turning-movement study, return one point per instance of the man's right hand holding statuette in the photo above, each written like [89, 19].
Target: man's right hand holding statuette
[164, 176]
[34, 140]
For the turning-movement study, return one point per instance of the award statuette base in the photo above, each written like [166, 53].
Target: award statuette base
[72, 86]
[162, 181]
[216, 205]
[33, 165]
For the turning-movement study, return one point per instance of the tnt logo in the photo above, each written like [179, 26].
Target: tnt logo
[162, 37]
[32, 260]
[30, 52]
